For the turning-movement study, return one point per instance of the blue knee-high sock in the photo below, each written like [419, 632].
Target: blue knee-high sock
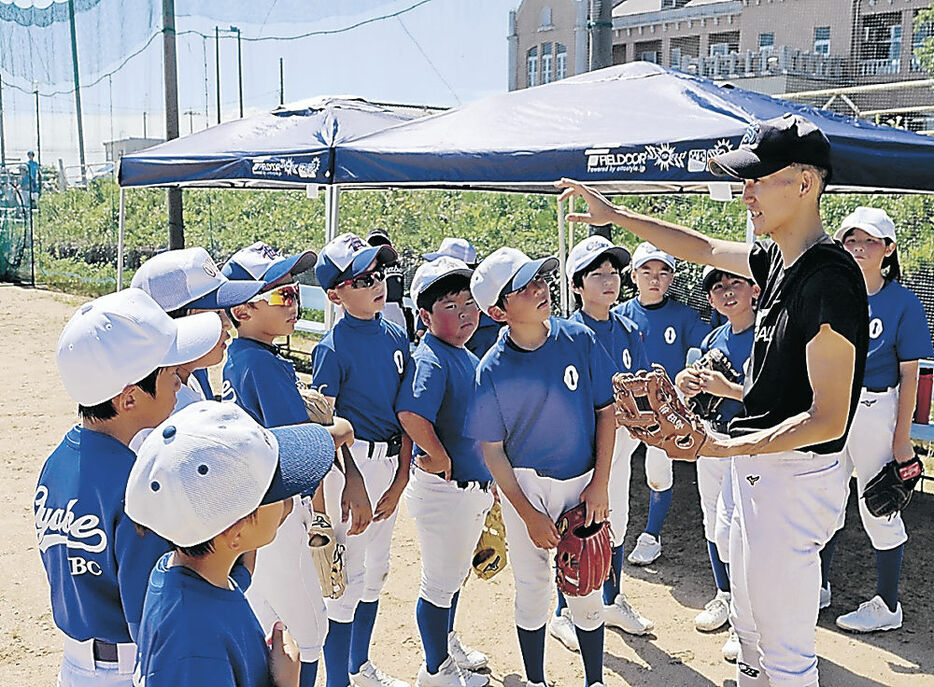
[826, 559]
[432, 624]
[720, 575]
[454, 600]
[591, 643]
[611, 586]
[659, 503]
[562, 603]
[363, 621]
[337, 653]
[888, 570]
[532, 646]
[308, 675]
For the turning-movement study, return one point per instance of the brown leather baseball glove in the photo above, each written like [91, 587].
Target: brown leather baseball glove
[584, 554]
[649, 407]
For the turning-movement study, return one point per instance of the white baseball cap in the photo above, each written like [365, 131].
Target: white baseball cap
[587, 251]
[189, 278]
[504, 271]
[645, 251]
[262, 263]
[347, 256]
[118, 339]
[211, 464]
[462, 249]
[874, 221]
[430, 272]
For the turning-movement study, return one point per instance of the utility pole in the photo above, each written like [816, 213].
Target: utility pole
[601, 34]
[35, 89]
[281, 84]
[170, 71]
[74, 60]
[3, 139]
[217, 69]
[144, 126]
[239, 67]
[191, 123]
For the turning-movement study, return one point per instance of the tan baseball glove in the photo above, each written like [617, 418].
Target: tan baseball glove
[490, 555]
[318, 407]
[649, 407]
[328, 556]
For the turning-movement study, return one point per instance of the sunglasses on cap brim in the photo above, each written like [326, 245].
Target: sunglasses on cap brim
[281, 295]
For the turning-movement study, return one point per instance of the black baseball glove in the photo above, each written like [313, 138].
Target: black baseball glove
[706, 405]
[890, 491]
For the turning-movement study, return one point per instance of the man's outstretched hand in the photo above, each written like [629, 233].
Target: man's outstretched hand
[599, 209]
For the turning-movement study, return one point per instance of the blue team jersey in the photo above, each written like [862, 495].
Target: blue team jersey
[437, 387]
[668, 329]
[360, 363]
[898, 331]
[485, 336]
[263, 383]
[96, 562]
[195, 634]
[620, 337]
[201, 375]
[541, 403]
[738, 348]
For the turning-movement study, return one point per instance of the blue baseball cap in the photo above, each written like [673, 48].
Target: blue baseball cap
[346, 257]
[262, 263]
[589, 250]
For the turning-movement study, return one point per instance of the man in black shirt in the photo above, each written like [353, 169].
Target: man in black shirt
[801, 388]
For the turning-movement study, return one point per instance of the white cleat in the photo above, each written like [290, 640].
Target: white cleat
[371, 676]
[647, 550]
[824, 597]
[561, 627]
[622, 615]
[715, 614]
[449, 675]
[731, 647]
[872, 616]
[464, 656]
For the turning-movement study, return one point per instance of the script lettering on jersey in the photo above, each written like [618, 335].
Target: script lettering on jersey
[56, 526]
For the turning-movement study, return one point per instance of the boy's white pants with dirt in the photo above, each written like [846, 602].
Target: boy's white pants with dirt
[658, 470]
[868, 448]
[716, 498]
[448, 520]
[366, 555]
[787, 506]
[532, 567]
[618, 486]
[79, 669]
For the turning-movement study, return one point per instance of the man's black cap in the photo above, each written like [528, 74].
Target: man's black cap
[773, 145]
[378, 237]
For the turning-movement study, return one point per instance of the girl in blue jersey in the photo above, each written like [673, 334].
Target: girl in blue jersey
[898, 338]
[669, 329]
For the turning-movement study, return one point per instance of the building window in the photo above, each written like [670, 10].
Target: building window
[648, 56]
[546, 19]
[719, 49]
[674, 58]
[767, 41]
[880, 50]
[895, 41]
[822, 40]
[547, 59]
[532, 63]
[723, 43]
[918, 36]
[669, 4]
[561, 61]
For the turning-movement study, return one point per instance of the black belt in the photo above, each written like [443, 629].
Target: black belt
[105, 651]
[482, 486]
[878, 389]
[720, 426]
[393, 446]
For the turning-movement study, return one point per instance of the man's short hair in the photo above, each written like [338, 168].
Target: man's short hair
[823, 175]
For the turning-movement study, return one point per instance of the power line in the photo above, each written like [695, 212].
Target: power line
[428, 60]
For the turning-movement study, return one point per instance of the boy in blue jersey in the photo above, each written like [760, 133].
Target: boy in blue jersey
[733, 296]
[263, 382]
[117, 357]
[359, 365]
[593, 269]
[448, 494]
[216, 486]
[542, 408]
[669, 329]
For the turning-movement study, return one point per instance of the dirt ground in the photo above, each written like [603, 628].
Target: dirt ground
[36, 412]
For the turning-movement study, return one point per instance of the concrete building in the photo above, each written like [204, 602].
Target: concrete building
[114, 150]
[771, 46]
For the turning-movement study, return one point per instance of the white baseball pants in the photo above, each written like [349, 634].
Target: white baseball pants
[658, 471]
[532, 567]
[618, 487]
[448, 520]
[79, 669]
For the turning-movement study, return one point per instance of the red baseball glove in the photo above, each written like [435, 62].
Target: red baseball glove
[583, 556]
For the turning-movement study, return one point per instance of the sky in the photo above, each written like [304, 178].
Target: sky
[441, 52]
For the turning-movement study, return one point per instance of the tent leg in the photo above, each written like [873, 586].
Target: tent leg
[332, 217]
[120, 246]
[562, 261]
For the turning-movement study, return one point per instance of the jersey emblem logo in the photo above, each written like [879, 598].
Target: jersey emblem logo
[868, 402]
[752, 479]
[875, 328]
[227, 392]
[627, 359]
[399, 359]
[670, 335]
[56, 526]
[571, 377]
[747, 669]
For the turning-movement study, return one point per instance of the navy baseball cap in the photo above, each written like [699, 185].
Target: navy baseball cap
[262, 263]
[347, 257]
[771, 145]
[712, 275]
[589, 250]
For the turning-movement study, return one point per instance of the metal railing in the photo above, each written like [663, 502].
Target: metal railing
[879, 67]
[784, 60]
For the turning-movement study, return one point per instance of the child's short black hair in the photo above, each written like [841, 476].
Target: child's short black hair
[716, 275]
[577, 280]
[106, 411]
[450, 285]
[204, 548]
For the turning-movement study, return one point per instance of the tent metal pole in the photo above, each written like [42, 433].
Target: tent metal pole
[562, 261]
[332, 217]
[120, 218]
